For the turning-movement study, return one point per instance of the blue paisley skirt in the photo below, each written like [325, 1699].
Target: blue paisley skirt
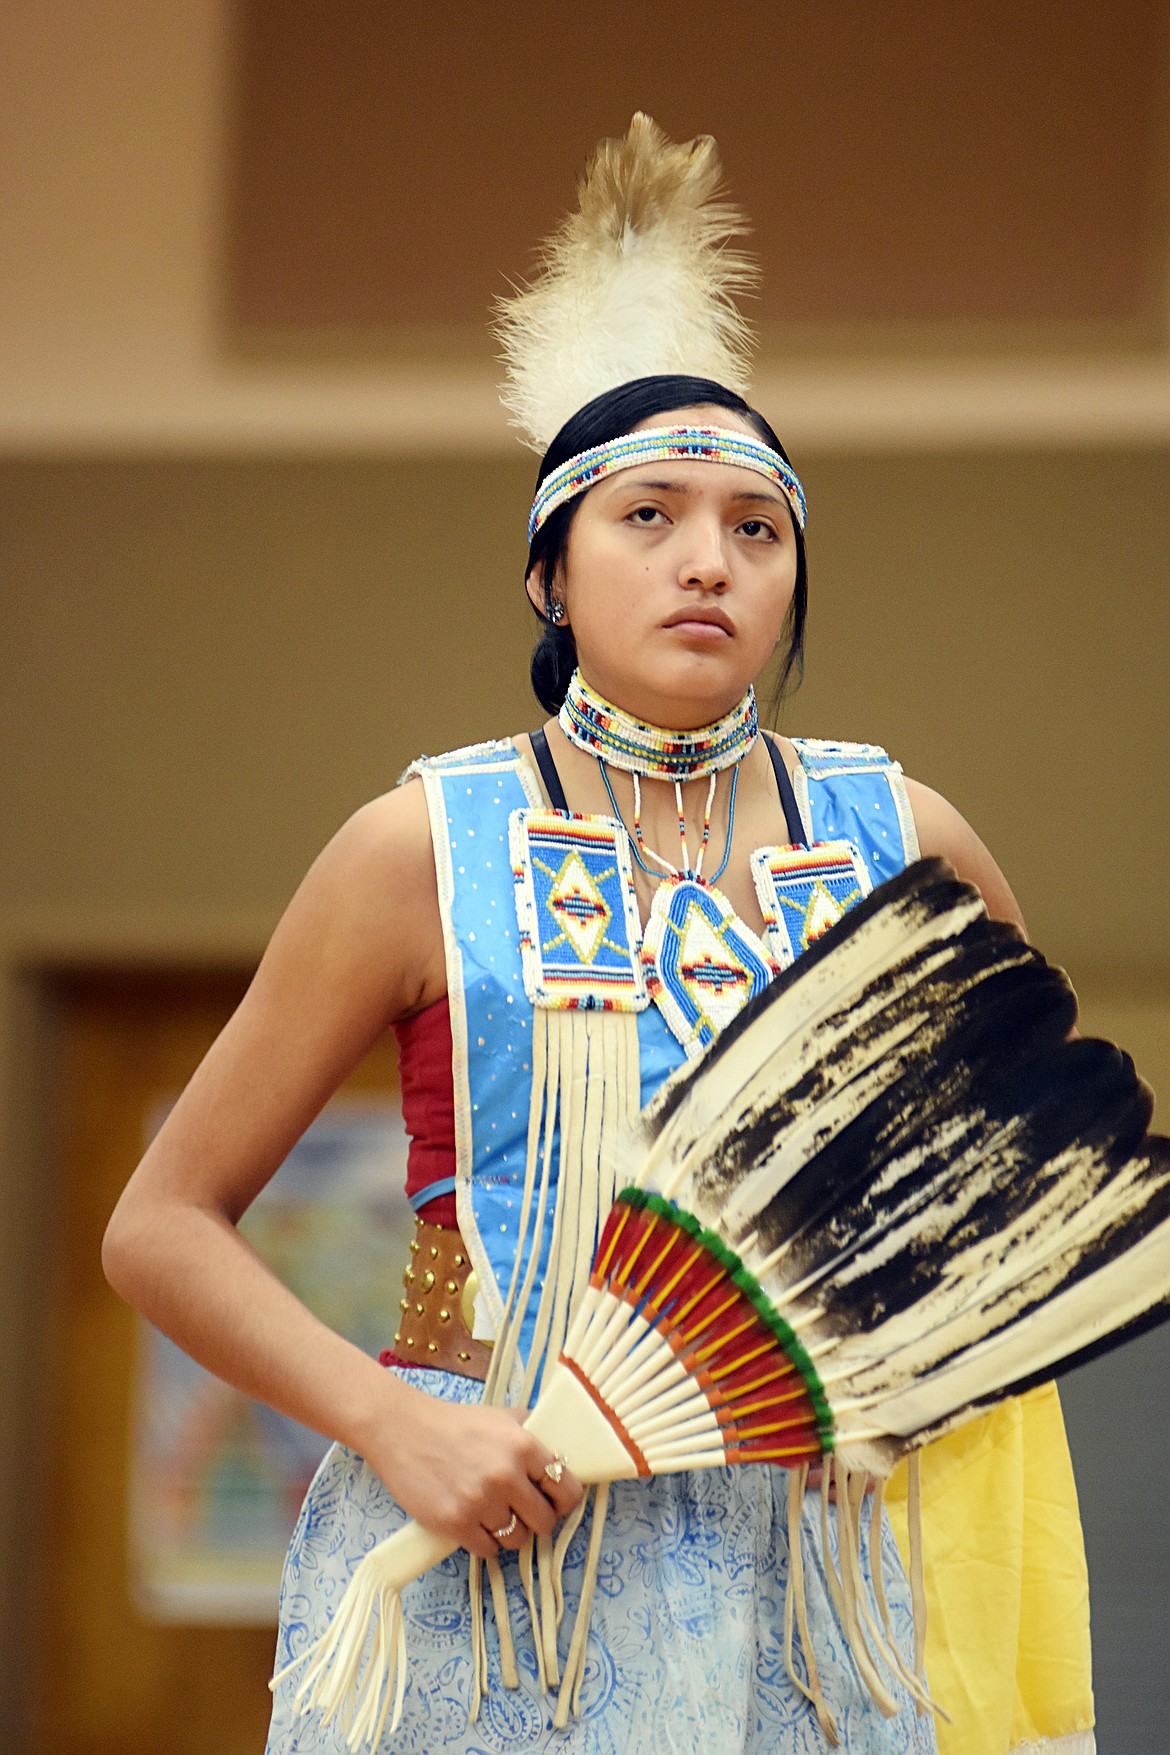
[686, 1641]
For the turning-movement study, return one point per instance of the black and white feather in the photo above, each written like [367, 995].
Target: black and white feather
[946, 1197]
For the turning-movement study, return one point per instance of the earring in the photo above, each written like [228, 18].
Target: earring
[556, 612]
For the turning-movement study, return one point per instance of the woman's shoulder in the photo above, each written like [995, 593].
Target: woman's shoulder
[944, 833]
[361, 939]
[383, 848]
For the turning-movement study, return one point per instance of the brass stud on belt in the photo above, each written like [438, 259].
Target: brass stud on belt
[414, 1244]
[467, 1302]
[431, 1347]
[404, 1304]
[444, 1316]
[408, 1277]
[459, 1259]
[434, 1252]
[464, 1357]
[418, 1309]
[409, 1342]
[451, 1288]
[428, 1280]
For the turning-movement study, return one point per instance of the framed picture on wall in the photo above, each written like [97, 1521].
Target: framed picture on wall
[216, 1479]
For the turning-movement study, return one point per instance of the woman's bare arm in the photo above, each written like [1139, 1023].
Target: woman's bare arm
[359, 946]
[944, 834]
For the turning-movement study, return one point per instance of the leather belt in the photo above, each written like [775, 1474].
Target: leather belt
[438, 1305]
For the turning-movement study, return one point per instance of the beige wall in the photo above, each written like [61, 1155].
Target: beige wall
[115, 181]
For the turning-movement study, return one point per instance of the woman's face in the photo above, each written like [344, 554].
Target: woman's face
[677, 580]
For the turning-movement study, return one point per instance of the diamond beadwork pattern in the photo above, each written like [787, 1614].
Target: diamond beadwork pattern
[578, 917]
[805, 890]
[702, 963]
[577, 905]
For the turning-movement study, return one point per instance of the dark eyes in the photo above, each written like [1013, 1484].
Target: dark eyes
[756, 529]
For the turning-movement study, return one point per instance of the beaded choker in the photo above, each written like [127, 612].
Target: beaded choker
[616, 737]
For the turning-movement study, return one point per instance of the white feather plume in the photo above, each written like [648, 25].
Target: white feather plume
[639, 280]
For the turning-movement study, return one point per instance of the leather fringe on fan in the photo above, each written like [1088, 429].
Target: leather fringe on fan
[585, 1095]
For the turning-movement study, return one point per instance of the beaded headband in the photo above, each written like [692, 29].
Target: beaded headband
[658, 444]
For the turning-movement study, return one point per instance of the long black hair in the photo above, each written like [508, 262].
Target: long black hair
[608, 417]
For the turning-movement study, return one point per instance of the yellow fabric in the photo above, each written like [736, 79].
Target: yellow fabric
[1007, 1631]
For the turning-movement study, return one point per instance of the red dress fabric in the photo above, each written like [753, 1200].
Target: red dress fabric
[428, 1107]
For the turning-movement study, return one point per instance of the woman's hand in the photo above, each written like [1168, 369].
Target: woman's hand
[464, 1472]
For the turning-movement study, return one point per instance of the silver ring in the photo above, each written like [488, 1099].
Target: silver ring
[556, 1468]
[502, 1535]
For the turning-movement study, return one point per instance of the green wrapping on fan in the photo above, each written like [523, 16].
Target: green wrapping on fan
[753, 1292]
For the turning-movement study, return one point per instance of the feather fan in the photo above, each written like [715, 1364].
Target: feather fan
[639, 280]
[890, 1194]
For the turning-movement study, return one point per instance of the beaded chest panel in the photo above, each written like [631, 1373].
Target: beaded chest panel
[578, 915]
[804, 890]
[702, 963]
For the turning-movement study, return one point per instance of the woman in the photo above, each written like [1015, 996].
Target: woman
[665, 588]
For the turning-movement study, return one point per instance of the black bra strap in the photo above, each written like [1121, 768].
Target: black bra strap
[556, 792]
[796, 837]
[548, 769]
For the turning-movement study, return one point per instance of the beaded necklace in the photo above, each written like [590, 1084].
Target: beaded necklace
[701, 962]
[611, 734]
[642, 853]
[645, 751]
